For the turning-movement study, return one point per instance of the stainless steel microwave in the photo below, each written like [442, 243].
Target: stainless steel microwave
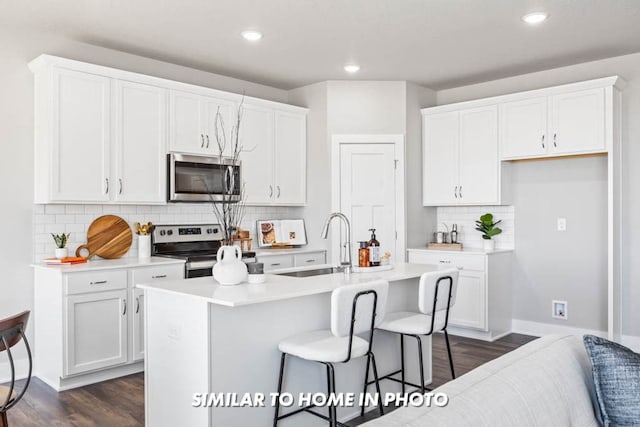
[193, 178]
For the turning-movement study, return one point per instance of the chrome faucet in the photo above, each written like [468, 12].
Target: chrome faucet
[346, 264]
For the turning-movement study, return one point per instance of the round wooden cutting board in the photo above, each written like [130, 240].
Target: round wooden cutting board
[108, 236]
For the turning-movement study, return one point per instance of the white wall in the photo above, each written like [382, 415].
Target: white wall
[420, 220]
[318, 160]
[363, 107]
[572, 188]
[17, 48]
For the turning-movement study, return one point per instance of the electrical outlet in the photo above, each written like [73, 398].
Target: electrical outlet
[562, 224]
[559, 310]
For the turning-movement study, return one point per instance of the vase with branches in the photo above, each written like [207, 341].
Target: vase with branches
[229, 212]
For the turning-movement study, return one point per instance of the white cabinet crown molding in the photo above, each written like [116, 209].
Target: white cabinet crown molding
[612, 81]
[44, 61]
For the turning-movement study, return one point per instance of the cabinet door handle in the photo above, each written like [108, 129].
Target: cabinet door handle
[275, 264]
[124, 311]
[270, 191]
[106, 188]
[278, 193]
[554, 140]
[455, 191]
[460, 192]
[542, 141]
[201, 141]
[159, 276]
[120, 184]
[207, 141]
[99, 282]
[137, 305]
[310, 260]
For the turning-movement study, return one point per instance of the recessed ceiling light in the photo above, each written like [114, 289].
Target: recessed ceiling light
[251, 35]
[535, 17]
[352, 68]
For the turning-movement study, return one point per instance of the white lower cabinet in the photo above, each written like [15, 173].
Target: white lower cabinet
[275, 262]
[467, 312]
[90, 322]
[483, 301]
[137, 312]
[96, 331]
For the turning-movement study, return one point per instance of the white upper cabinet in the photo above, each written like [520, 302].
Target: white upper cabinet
[577, 122]
[478, 161]
[274, 155]
[192, 123]
[461, 165]
[290, 158]
[76, 161]
[440, 166]
[560, 124]
[140, 139]
[256, 137]
[102, 136]
[523, 128]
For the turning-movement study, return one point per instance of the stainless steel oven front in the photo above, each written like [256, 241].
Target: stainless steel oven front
[193, 178]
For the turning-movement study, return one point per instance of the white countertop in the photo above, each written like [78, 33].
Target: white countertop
[108, 264]
[471, 251]
[280, 287]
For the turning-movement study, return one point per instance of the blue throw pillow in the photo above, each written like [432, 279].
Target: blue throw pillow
[616, 374]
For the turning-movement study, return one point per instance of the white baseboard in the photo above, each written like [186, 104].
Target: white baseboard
[538, 329]
[22, 369]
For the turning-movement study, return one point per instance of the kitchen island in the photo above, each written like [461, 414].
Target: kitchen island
[202, 337]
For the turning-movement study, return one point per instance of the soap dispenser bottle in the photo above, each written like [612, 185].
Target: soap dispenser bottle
[374, 249]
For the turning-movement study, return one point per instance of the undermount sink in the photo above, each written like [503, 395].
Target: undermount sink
[309, 273]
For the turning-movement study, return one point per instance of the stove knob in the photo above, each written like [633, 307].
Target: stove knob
[209, 230]
[215, 230]
[169, 232]
[162, 232]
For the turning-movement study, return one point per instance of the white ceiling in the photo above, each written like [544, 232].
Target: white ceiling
[435, 43]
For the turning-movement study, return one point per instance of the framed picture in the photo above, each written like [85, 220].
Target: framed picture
[281, 231]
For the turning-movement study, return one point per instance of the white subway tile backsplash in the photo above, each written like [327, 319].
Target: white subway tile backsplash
[465, 217]
[75, 219]
[54, 209]
[75, 209]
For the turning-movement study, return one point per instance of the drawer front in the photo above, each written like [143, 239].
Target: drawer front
[462, 261]
[153, 274]
[95, 281]
[276, 262]
[310, 258]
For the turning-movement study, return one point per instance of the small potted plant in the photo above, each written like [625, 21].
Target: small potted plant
[488, 228]
[61, 244]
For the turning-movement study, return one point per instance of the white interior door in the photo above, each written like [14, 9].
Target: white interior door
[368, 193]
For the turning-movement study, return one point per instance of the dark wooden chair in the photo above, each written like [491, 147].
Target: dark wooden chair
[12, 330]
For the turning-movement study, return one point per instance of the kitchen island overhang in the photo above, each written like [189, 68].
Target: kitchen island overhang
[204, 339]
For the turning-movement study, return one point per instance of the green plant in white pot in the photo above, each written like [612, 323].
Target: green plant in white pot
[488, 228]
[61, 244]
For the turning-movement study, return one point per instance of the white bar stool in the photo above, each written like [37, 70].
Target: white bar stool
[355, 309]
[436, 296]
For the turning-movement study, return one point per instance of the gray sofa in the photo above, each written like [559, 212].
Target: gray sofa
[547, 382]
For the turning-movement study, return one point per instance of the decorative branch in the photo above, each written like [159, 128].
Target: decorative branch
[229, 213]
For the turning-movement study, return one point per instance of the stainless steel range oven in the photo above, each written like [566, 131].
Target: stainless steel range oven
[193, 178]
[197, 244]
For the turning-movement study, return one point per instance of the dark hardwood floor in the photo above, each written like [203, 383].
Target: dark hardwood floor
[120, 402]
